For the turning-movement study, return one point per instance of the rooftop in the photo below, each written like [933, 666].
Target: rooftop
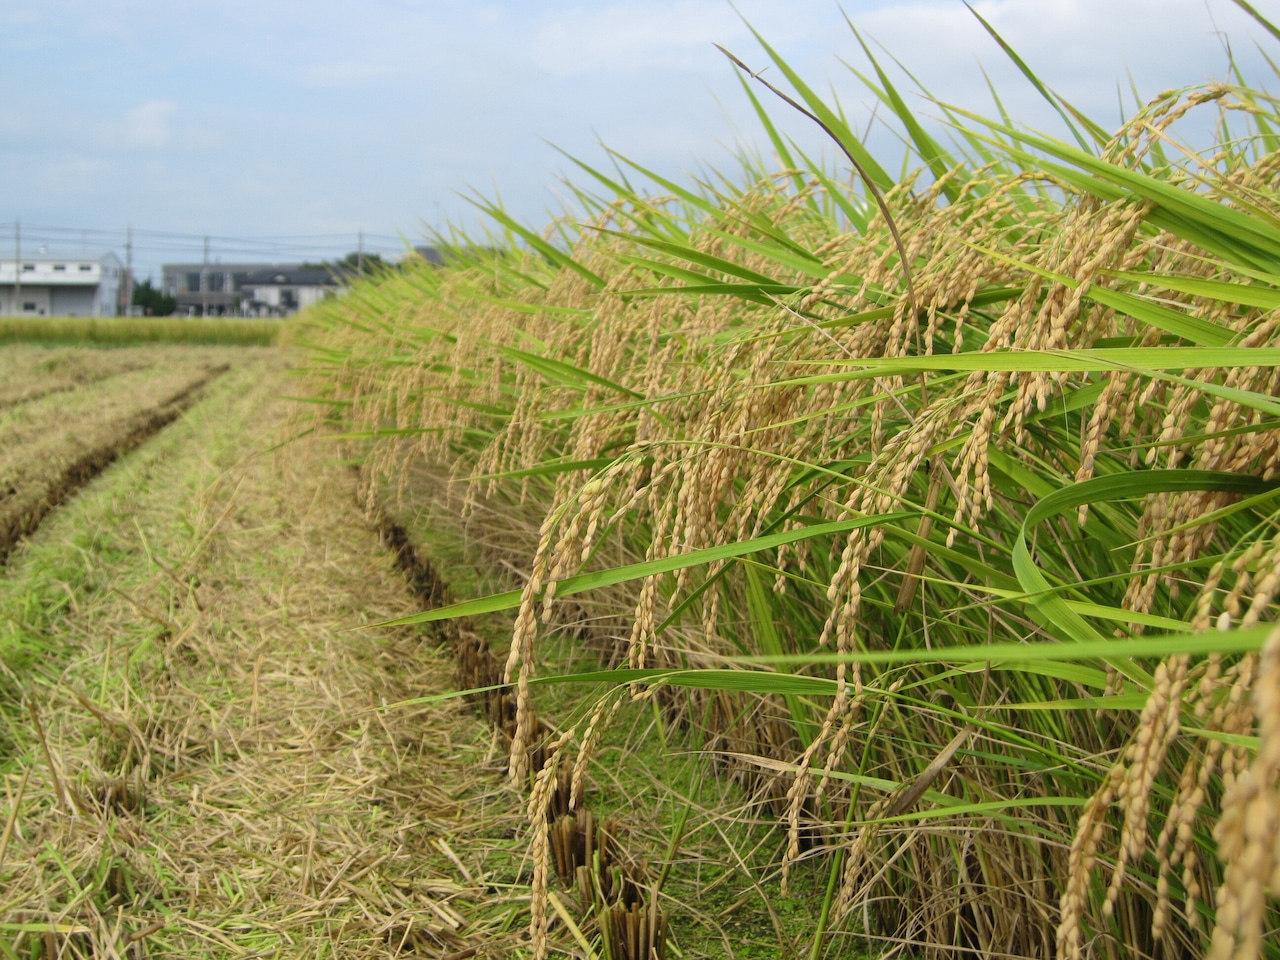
[292, 276]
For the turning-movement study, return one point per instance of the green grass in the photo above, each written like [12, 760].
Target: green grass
[127, 331]
[53, 574]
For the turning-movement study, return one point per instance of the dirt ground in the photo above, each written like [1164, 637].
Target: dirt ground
[200, 745]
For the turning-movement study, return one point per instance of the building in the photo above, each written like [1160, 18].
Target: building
[245, 289]
[206, 289]
[45, 286]
[280, 291]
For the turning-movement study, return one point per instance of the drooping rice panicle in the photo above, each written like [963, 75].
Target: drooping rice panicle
[935, 546]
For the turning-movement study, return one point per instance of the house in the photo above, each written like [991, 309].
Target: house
[206, 289]
[245, 289]
[280, 291]
[52, 286]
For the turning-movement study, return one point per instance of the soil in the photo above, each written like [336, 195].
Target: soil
[205, 749]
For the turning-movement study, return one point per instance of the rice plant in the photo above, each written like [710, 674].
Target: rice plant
[945, 504]
[118, 331]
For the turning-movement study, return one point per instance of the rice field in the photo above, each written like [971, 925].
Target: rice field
[124, 331]
[807, 561]
[200, 756]
[935, 517]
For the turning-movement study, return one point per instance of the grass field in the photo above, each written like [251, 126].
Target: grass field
[204, 755]
[63, 416]
[122, 331]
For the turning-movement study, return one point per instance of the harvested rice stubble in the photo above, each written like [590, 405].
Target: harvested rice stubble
[231, 777]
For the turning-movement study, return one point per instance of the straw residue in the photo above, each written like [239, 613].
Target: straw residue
[237, 776]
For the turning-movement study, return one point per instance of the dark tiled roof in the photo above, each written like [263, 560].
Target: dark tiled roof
[290, 276]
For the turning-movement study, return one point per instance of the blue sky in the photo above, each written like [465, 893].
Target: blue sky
[317, 119]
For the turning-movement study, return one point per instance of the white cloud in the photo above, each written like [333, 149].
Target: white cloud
[630, 37]
[152, 126]
[266, 180]
[76, 176]
[664, 34]
[147, 126]
[344, 74]
[1083, 49]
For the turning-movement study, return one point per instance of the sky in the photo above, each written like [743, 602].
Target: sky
[282, 129]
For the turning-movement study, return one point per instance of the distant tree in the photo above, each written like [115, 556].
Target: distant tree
[153, 301]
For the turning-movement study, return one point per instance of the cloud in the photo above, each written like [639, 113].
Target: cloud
[147, 126]
[345, 74]
[625, 38]
[1162, 43]
[153, 126]
[266, 180]
[76, 176]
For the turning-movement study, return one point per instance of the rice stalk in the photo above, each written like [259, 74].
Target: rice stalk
[127, 331]
[828, 502]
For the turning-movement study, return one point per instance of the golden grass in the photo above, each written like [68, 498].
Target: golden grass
[699, 419]
[57, 435]
[119, 331]
[32, 372]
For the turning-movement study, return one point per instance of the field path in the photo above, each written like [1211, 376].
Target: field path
[198, 754]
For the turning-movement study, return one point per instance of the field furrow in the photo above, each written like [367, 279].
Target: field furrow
[30, 373]
[46, 457]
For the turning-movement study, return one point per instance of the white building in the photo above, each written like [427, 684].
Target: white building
[45, 286]
[281, 291]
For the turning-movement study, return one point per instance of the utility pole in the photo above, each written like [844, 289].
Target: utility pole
[17, 266]
[360, 254]
[204, 281]
[128, 270]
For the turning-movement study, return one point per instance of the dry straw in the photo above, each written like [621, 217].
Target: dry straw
[230, 777]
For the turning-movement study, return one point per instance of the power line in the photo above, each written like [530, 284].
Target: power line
[277, 246]
[199, 237]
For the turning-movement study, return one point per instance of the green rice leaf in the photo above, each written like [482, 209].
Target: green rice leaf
[1138, 484]
[650, 568]
[563, 372]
